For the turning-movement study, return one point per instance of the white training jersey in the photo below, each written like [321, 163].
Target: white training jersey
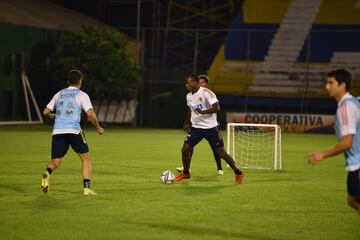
[82, 100]
[348, 123]
[203, 99]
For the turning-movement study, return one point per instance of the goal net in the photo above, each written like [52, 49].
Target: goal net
[256, 146]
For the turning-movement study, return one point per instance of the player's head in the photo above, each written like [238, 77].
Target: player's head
[341, 75]
[75, 77]
[338, 82]
[191, 82]
[203, 80]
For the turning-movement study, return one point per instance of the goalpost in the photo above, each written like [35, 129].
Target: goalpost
[256, 146]
[27, 91]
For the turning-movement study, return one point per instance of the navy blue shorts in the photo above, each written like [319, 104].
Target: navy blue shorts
[212, 135]
[61, 142]
[353, 184]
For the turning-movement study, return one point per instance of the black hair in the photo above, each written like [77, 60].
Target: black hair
[74, 77]
[341, 75]
[193, 76]
[206, 78]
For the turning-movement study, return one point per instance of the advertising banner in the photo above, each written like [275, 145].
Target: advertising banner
[288, 122]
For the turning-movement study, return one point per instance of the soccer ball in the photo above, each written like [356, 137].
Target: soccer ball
[167, 177]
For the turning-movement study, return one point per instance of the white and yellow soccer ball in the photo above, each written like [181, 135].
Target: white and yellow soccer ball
[167, 177]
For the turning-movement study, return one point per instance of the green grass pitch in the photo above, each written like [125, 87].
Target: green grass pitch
[299, 202]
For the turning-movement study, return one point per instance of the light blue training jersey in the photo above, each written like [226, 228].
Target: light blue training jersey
[68, 113]
[348, 122]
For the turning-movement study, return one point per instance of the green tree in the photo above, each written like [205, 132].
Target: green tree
[100, 54]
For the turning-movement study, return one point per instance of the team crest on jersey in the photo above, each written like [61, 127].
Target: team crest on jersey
[69, 113]
[200, 99]
[71, 105]
[199, 106]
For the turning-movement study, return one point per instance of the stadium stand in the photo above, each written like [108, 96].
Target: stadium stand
[287, 51]
[116, 111]
[285, 48]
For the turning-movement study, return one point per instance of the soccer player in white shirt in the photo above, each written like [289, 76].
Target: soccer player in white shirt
[203, 82]
[69, 103]
[203, 106]
[348, 132]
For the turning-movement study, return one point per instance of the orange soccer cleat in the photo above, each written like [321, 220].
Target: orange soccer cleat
[182, 176]
[239, 178]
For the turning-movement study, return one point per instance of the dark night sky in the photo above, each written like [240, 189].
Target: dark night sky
[121, 13]
[88, 7]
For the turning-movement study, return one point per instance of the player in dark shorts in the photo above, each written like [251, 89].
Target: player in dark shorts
[203, 82]
[69, 104]
[203, 106]
[348, 132]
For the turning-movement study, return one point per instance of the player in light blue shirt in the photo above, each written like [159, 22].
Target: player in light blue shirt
[68, 105]
[347, 130]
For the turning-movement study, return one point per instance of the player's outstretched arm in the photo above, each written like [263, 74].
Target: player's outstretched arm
[343, 145]
[93, 119]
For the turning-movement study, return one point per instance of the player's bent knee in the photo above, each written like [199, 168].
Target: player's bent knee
[221, 152]
[84, 156]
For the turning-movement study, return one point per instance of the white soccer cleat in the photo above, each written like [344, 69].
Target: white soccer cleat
[180, 169]
[88, 192]
[220, 172]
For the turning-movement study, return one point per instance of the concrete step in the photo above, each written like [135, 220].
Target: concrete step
[276, 82]
[279, 58]
[294, 28]
[297, 11]
[283, 53]
[294, 36]
[285, 47]
[271, 76]
[275, 67]
[303, 4]
[346, 54]
[282, 42]
[277, 89]
[291, 34]
[302, 21]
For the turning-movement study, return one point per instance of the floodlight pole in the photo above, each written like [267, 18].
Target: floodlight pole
[138, 34]
[196, 52]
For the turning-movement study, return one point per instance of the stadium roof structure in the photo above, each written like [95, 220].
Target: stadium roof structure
[49, 15]
[43, 14]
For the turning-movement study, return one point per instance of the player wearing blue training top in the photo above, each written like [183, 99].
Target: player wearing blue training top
[68, 104]
[348, 132]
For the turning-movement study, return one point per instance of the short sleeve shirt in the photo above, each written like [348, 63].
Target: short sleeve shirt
[203, 99]
[348, 115]
[348, 123]
[82, 100]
